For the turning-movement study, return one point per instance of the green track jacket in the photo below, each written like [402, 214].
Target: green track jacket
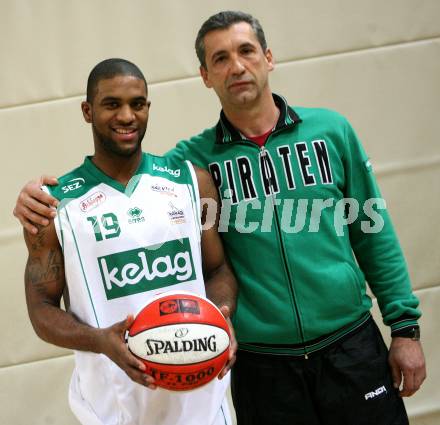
[304, 226]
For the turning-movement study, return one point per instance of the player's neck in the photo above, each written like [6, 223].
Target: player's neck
[117, 167]
[255, 119]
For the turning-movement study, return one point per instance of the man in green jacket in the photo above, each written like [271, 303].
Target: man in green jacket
[304, 226]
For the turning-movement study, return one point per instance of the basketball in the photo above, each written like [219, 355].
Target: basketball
[183, 340]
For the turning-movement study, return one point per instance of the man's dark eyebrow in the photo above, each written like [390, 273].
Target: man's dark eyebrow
[220, 52]
[110, 99]
[138, 98]
[247, 44]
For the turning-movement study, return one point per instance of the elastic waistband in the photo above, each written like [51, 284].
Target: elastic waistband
[310, 347]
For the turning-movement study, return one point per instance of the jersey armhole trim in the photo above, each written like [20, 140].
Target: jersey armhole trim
[57, 220]
[195, 195]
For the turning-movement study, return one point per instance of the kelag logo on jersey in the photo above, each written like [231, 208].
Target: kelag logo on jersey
[145, 269]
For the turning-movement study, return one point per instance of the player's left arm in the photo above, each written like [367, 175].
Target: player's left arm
[220, 283]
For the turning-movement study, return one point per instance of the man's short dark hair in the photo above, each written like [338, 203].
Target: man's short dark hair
[224, 20]
[110, 68]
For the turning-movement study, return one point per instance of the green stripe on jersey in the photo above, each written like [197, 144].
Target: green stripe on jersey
[82, 269]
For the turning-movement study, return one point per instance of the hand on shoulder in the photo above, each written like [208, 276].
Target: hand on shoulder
[34, 206]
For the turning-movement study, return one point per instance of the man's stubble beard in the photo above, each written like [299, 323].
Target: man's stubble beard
[113, 148]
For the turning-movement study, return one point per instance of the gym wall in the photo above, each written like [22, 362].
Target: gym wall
[377, 62]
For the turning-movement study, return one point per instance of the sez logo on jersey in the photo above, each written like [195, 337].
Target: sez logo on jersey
[144, 269]
[73, 184]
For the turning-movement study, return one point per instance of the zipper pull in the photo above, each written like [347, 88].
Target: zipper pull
[306, 356]
[264, 163]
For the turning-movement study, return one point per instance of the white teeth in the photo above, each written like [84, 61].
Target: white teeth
[123, 130]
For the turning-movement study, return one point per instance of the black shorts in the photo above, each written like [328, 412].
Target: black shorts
[348, 383]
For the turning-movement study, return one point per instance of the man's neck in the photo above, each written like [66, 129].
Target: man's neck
[119, 168]
[256, 119]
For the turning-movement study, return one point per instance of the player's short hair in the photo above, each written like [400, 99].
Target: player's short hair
[110, 68]
[224, 20]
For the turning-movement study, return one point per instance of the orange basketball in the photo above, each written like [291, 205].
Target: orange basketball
[183, 340]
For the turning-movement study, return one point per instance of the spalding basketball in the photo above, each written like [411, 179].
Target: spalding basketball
[182, 339]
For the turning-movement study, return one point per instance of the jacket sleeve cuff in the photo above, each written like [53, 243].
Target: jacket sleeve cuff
[403, 323]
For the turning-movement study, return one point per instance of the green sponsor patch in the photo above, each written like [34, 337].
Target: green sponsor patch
[144, 269]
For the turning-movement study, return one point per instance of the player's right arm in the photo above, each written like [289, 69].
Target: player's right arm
[44, 286]
[34, 206]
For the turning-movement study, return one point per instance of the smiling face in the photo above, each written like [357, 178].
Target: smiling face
[119, 115]
[237, 68]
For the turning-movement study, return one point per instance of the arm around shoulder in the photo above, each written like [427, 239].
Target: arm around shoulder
[33, 206]
[220, 283]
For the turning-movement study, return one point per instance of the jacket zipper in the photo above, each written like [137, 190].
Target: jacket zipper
[263, 155]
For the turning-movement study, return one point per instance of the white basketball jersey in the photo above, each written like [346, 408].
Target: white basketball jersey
[122, 246]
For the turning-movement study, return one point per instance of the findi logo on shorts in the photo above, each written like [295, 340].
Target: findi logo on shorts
[145, 269]
[377, 392]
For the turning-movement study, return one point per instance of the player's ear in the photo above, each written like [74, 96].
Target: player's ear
[204, 74]
[86, 108]
[270, 59]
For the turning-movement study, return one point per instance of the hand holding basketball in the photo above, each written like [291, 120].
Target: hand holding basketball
[112, 344]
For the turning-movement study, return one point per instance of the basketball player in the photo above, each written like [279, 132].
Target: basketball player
[128, 228]
[307, 227]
